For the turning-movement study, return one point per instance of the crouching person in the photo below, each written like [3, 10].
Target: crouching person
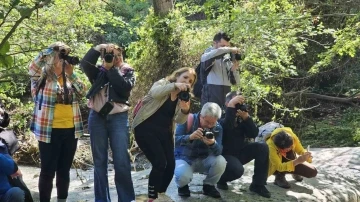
[198, 147]
[237, 126]
[283, 147]
[9, 168]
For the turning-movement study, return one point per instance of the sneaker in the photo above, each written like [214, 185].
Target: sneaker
[297, 177]
[184, 191]
[222, 186]
[280, 181]
[211, 191]
[261, 190]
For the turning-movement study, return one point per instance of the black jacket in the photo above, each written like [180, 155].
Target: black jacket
[119, 85]
[235, 132]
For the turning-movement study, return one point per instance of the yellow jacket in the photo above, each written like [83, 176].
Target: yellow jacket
[275, 158]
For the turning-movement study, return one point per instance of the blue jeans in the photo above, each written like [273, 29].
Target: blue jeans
[114, 128]
[15, 194]
[212, 166]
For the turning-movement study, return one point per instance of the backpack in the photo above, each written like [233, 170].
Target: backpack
[266, 130]
[137, 108]
[190, 121]
[202, 77]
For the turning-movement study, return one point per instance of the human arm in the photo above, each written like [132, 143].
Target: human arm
[8, 165]
[121, 83]
[276, 160]
[88, 63]
[183, 113]
[215, 146]
[78, 85]
[217, 53]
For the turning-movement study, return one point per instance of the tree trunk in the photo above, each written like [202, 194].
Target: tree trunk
[162, 7]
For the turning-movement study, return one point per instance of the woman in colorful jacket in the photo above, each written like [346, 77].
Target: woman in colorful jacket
[56, 120]
[283, 147]
[153, 126]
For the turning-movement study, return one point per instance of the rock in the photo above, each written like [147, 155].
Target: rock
[338, 180]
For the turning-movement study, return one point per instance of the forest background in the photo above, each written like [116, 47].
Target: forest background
[300, 62]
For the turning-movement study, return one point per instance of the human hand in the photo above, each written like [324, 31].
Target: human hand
[235, 65]
[197, 134]
[182, 86]
[208, 141]
[304, 157]
[69, 69]
[243, 115]
[235, 50]
[239, 99]
[16, 174]
[184, 106]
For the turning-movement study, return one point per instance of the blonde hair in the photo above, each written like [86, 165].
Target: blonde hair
[173, 76]
[48, 56]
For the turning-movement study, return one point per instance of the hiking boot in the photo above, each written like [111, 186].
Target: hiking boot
[210, 190]
[297, 178]
[222, 186]
[280, 181]
[184, 191]
[261, 190]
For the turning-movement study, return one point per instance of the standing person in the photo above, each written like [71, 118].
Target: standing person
[198, 148]
[222, 70]
[153, 125]
[56, 120]
[108, 119]
[237, 126]
[283, 147]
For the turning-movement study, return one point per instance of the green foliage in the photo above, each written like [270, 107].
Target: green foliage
[343, 130]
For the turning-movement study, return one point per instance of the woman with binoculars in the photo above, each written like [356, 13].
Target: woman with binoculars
[56, 120]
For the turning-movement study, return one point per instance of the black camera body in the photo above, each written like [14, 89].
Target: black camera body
[242, 107]
[184, 95]
[108, 57]
[208, 133]
[236, 56]
[70, 59]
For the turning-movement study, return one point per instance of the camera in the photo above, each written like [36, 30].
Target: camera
[208, 133]
[242, 107]
[236, 56]
[108, 57]
[184, 95]
[70, 59]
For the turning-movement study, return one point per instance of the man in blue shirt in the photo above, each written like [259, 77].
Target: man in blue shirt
[198, 147]
[8, 168]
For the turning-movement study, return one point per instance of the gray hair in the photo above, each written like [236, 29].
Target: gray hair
[211, 109]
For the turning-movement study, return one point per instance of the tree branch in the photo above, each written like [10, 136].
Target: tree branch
[289, 110]
[17, 23]
[6, 16]
[346, 100]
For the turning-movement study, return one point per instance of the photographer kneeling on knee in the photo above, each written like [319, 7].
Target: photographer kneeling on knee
[198, 149]
[237, 126]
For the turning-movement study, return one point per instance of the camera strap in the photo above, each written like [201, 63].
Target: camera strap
[66, 90]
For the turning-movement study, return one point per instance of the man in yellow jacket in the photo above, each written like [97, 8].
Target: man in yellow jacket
[283, 147]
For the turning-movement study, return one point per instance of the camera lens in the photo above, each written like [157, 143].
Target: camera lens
[184, 96]
[109, 57]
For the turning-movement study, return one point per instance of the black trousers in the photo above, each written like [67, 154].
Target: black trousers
[235, 169]
[158, 148]
[56, 157]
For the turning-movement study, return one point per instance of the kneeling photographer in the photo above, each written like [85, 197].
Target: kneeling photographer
[237, 126]
[198, 149]
[154, 116]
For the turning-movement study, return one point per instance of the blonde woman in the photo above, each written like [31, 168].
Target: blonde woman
[153, 126]
[56, 120]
